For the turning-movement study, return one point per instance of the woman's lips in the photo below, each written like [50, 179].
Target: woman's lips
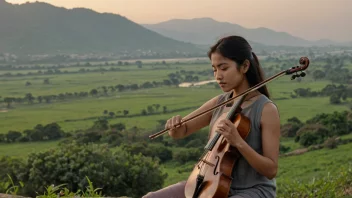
[222, 84]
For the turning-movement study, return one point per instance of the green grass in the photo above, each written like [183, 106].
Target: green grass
[305, 167]
[290, 142]
[23, 149]
[312, 164]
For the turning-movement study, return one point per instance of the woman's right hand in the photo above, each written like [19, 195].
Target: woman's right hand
[175, 129]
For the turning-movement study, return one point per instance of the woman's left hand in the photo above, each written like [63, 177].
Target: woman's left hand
[229, 131]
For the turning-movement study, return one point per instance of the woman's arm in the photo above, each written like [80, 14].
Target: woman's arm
[192, 125]
[266, 164]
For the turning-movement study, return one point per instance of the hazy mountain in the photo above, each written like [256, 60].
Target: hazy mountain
[207, 31]
[40, 28]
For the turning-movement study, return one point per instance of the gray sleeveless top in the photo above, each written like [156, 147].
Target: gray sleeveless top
[247, 182]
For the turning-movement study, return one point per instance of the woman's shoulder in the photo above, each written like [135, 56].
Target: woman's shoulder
[269, 109]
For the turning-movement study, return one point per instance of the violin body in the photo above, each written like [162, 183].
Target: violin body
[218, 165]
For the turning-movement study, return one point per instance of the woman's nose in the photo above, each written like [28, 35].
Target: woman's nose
[218, 76]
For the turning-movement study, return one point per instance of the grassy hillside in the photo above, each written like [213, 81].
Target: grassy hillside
[294, 168]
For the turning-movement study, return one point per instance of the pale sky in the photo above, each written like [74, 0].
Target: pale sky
[309, 19]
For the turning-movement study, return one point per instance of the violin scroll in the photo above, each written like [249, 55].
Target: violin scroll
[304, 61]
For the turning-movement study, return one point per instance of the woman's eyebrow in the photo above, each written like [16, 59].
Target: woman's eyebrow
[219, 65]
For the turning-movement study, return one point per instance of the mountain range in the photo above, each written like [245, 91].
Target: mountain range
[40, 28]
[207, 30]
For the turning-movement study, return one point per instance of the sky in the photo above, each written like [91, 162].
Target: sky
[308, 19]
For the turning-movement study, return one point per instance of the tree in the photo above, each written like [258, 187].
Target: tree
[125, 112]
[139, 64]
[111, 114]
[47, 98]
[335, 99]
[118, 127]
[150, 109]
[308, 139]
[102, 124]
[12, 136]
[318, 74]
[105, 90]
[52, 131]
[120, 87]
[46, 81]
[112, 88]
[93, 92]
[294, 120]
[40, 99]
[29, 97]
[9, 100]
[157, 106]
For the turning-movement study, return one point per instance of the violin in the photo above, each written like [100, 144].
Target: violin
[211, 176]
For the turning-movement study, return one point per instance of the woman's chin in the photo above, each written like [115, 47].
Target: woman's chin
[225, 89]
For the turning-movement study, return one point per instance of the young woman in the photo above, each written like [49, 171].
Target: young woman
[236, 68]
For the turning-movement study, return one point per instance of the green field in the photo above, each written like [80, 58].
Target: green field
[23, 149]
[62, 83]
[85, 110]
[27, 116]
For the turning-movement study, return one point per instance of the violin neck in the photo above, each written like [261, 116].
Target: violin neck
[235, 108]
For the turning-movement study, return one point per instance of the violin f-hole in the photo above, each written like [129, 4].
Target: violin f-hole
[216, 165]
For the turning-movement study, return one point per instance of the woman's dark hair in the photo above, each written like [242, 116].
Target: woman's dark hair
[238, 49]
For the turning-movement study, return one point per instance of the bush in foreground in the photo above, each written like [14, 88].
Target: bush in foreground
[117, 174]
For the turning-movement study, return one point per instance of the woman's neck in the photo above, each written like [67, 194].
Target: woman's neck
[245, 86]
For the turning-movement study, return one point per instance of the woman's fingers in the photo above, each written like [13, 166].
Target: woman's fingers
[173, 122]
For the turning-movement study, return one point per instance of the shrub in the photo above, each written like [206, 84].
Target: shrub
[331, 143]
[284, 149]
[13, 167]
[186, 155]
[117, 173]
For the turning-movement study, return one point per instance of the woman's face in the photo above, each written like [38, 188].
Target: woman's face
[226, 73]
